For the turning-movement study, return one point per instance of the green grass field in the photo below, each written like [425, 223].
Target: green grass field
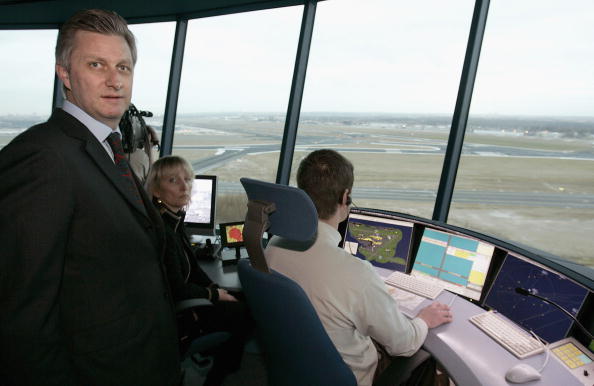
[561, 231]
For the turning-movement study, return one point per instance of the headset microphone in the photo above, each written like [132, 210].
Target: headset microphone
[525, 292]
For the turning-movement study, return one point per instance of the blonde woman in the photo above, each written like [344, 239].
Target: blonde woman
[169, 182]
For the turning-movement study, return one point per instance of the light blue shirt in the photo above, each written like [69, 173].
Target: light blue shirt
[100, 130]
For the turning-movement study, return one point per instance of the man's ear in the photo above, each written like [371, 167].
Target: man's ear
[346, 198]
[64, 76]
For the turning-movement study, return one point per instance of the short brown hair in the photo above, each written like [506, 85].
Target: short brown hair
[161, 166]
[92, 20]
[324, 175]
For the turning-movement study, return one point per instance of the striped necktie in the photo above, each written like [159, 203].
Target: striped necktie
[115, 142]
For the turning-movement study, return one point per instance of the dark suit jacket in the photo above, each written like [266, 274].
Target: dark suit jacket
[83, 294]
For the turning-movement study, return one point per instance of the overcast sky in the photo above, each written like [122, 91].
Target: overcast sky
[373, 56]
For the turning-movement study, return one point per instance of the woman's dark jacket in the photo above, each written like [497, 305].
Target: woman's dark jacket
[186, 278]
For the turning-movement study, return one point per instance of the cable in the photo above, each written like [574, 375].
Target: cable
[546, 348]
[452, 301]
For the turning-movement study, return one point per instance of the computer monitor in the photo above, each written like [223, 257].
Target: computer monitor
[379, 239]
[458, 263]
[545, 320]
[200, 216]
[231, 234]
[232, 237]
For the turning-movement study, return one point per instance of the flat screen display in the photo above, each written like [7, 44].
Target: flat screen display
[458, 263]
[545, 320]
[231, 234]
[200, 216]
[384, 242]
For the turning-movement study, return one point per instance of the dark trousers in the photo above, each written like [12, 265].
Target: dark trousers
[230, 317]
[417, 370]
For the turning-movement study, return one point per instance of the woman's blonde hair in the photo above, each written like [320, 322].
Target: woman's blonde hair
[161, 166]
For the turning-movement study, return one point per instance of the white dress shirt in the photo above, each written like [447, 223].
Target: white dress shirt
[100, 130]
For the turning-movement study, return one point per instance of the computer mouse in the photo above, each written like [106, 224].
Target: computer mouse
[522, 373]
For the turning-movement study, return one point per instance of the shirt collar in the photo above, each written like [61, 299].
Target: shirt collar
[98, 129]
[329, 233]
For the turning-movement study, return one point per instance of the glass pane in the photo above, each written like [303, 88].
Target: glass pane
[154, 43]
[528, 160]
[26, 80]
[381, 88]
[234, 93]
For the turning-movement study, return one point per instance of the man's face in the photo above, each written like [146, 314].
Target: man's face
[100, 77]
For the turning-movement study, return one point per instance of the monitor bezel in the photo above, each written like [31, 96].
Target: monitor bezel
[205, 229]
[223, 235]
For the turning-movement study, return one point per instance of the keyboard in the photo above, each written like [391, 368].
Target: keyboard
[511, 337]
[413, 284]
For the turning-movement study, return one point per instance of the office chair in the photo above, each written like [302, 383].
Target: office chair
[298, 351]
[195, 349]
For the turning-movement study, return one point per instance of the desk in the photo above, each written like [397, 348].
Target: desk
[470, 356]
[226, 277]
[473, 358]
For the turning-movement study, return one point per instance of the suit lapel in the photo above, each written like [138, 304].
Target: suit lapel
[96, 152]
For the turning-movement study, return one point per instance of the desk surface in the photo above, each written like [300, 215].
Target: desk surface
[469, 355]
[472, 358]
[225, 276]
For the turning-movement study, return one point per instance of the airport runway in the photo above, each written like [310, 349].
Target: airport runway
[420, 147]
[552, 200]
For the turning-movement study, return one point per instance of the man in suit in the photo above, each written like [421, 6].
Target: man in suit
[83, 294]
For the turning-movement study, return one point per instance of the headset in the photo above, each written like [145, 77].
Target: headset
[133, 128]
[349, 201]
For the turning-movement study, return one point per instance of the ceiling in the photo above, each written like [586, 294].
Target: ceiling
[40, 14]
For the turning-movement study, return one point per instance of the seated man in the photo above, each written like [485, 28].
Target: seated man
[349, 297]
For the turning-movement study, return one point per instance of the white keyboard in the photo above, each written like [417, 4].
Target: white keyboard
[513, 338]
[413, 284]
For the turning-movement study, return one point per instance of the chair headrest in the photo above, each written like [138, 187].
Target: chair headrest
[295, 216]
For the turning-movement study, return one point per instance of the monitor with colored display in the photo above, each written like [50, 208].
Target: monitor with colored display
[534, 314]
[231, 234]
[200, 216]
[379, 239]
[458, 263]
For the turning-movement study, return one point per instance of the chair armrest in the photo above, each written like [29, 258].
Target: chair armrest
[189, 303]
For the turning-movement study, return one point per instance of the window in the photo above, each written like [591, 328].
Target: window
[381, 88]
[27, 80]
[235, 86]
[154, 43]
[528, 161]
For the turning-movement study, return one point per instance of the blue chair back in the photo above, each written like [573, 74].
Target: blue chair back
[297, 348]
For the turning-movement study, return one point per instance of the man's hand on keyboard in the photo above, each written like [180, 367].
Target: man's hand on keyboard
[436, 314]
